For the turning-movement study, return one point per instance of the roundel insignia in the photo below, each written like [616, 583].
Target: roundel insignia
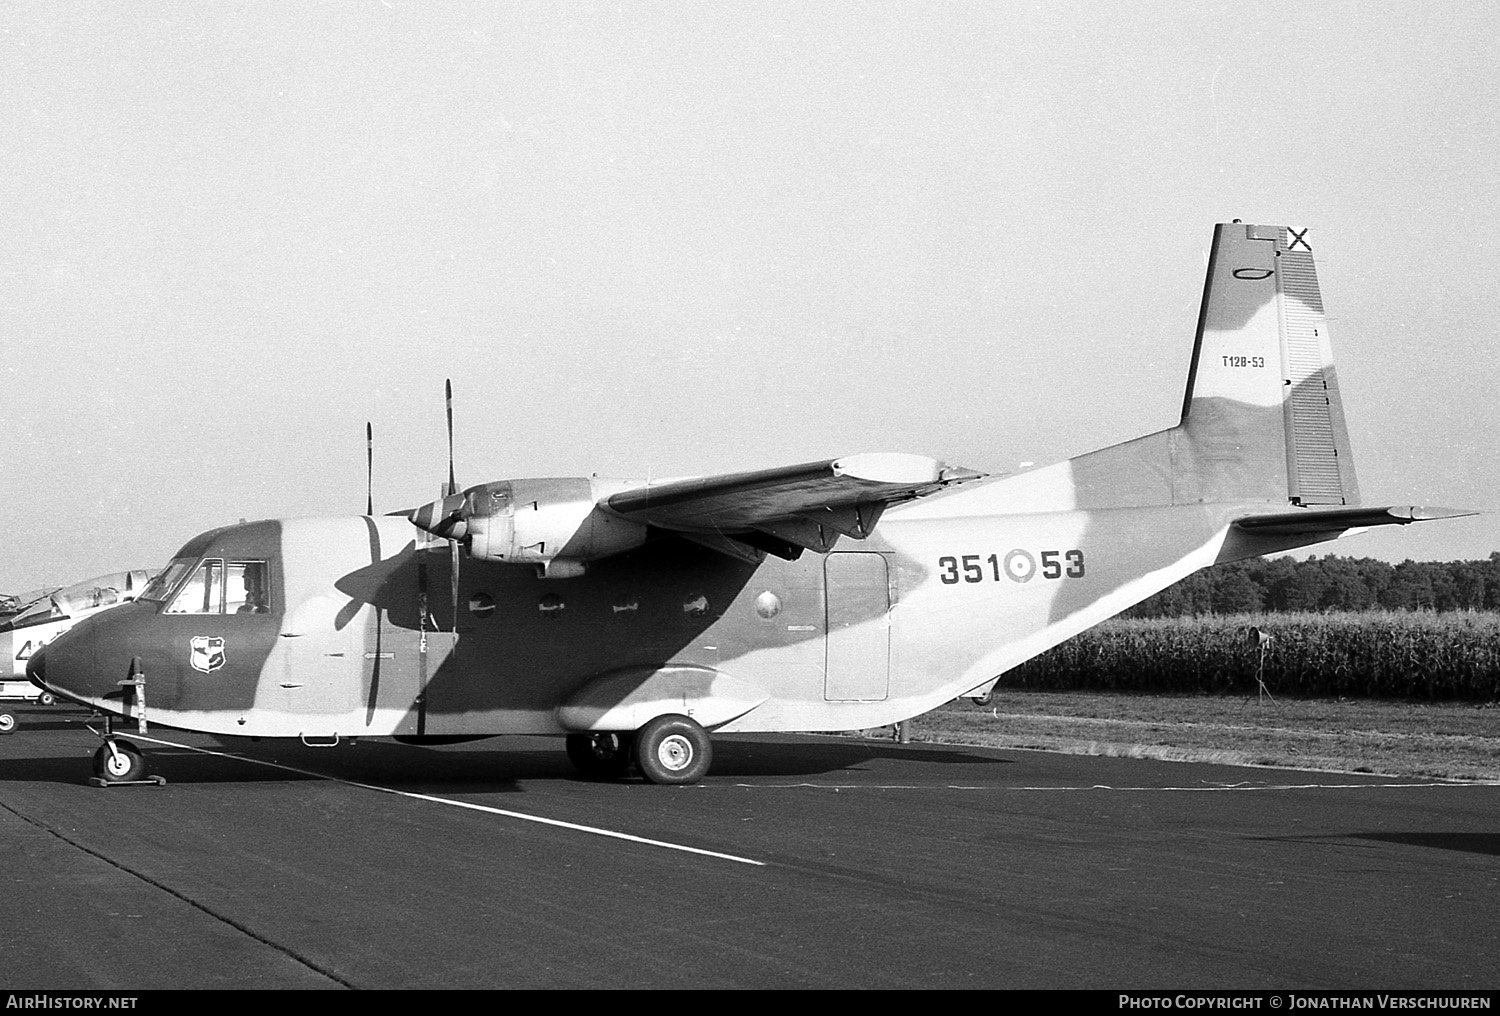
[207, 653]
[1020, 566]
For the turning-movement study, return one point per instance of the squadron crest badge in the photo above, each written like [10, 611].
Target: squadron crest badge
[207, 654]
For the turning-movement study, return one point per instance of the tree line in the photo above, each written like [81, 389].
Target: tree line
[1284, 585]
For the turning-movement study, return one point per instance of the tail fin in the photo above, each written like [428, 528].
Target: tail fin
[1262, 420]
[1262, 412]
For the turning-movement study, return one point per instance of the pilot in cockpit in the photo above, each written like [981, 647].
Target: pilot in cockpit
[255, 592]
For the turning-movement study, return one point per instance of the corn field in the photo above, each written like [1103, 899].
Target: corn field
[1398, 655]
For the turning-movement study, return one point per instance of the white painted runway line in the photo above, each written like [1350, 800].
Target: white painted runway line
[505, 813]
[1217, 788]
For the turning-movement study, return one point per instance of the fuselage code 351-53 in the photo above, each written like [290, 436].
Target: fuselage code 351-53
[1017, 565]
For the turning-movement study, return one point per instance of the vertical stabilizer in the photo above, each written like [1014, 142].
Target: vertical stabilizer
[1261, 421]
[1262, 415]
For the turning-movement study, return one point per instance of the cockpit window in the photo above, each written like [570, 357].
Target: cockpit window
[71, 601]
[247, 588]
[204, 592]
[240, 588]
[161, 586]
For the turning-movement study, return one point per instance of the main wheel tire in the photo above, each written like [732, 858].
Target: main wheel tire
[46, 698]
[673, 750]
[123, 765]
[7, 723]
[603, 756]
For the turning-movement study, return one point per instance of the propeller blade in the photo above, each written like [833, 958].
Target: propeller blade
[369, 469]
[448, 395]
[455, 522]
[453, 567]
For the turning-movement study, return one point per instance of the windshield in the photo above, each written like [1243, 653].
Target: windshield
[161, 586]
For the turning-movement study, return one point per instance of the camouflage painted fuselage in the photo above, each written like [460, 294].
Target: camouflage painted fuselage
[931, 607]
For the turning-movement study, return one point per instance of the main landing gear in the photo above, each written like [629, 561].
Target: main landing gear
[600, 756]
[673, 750]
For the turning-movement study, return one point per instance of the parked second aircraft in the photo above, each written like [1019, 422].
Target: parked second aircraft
[45, 617]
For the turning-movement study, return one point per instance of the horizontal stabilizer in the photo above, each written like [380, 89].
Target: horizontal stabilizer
[1332, 520]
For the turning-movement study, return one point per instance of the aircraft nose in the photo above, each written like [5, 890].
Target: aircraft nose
[66, 664]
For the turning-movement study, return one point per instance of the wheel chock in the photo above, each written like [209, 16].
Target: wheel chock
[149, 781]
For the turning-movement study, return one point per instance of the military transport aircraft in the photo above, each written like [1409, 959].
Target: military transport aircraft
[47, 616]
[633, 617]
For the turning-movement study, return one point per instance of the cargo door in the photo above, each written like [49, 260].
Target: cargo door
[858, 664]
[323, 664]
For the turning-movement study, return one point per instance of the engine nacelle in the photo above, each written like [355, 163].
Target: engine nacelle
[554, 523]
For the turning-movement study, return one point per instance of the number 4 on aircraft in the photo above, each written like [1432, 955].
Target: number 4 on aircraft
[636, 619]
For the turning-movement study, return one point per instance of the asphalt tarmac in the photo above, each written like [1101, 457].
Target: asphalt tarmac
[801, 861]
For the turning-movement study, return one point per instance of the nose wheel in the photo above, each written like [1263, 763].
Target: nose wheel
[119, 763]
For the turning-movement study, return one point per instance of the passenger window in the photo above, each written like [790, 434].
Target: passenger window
[247, 588]
[204, 592]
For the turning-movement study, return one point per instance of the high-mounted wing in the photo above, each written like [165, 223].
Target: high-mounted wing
[789, 508]
[561, 524]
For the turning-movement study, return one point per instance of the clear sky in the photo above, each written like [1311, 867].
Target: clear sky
[684, 238]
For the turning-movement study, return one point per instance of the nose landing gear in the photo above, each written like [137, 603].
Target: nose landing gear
[118, 762]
